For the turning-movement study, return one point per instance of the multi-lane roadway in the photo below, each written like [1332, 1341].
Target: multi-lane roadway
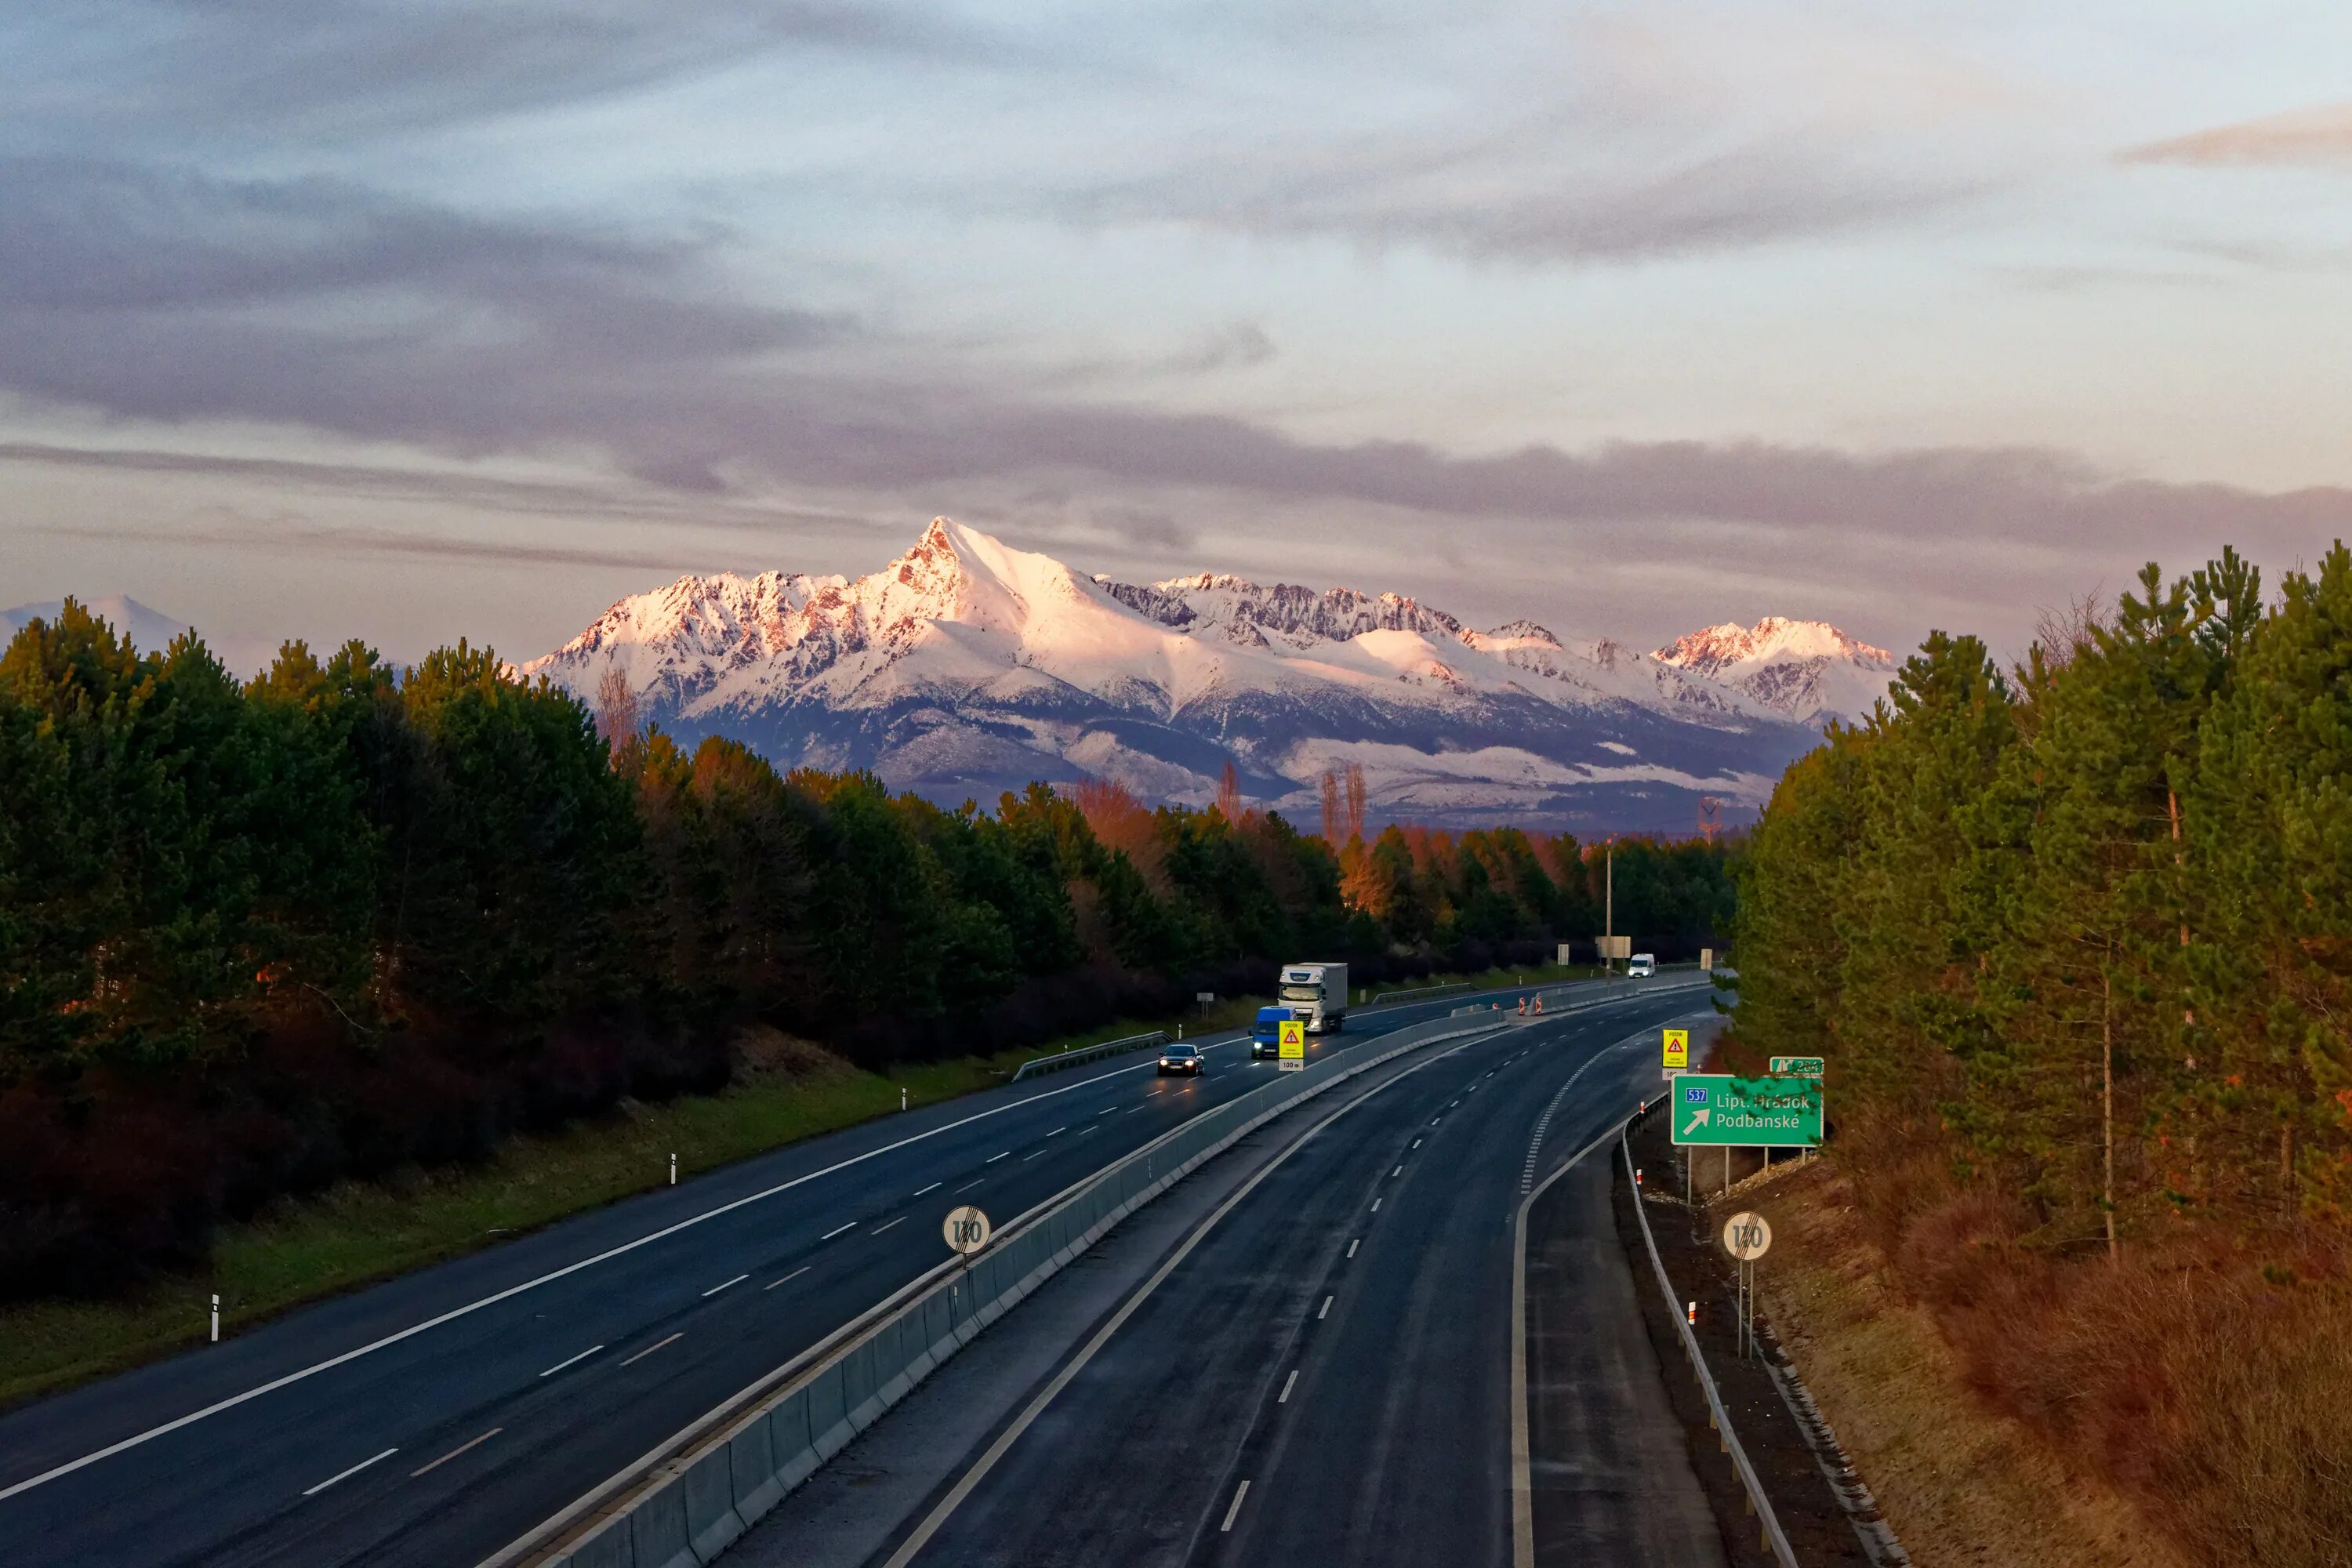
[1320, 1369]
[433, 1418]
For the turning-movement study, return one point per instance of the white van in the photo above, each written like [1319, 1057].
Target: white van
[1642, 966]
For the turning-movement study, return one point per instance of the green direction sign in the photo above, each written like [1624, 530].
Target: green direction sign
[1716, 1108]
[1797, 1066]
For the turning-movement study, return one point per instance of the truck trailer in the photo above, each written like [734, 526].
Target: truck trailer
[1317, 992]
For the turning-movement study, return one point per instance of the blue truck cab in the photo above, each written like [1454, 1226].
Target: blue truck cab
[1266, 1035]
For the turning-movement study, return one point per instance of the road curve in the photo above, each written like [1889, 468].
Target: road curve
[1326, 1375]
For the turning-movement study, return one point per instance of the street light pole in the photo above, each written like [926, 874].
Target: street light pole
[1608, 910]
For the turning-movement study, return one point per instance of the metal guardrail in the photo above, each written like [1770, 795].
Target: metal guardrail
[1421, 991]
[686, 1501]
[1580, 996]
[1078, 1054]
[1775, 1540]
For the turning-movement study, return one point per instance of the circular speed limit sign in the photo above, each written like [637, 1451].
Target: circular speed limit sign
[1746, 1237]
[967, 1229]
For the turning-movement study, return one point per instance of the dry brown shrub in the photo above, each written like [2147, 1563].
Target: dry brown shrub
[761, 1052]
[2207, 1376]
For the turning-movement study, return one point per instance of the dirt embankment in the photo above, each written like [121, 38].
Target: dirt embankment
[1958, 1482]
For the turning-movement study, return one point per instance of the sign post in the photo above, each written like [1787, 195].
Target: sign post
[1746, 1237]
[1675, 1051]
[1706, 960]
[1291, 1046]
[966, 1231]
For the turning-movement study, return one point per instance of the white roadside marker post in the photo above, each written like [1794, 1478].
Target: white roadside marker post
[216, 1317]
[673, 1170]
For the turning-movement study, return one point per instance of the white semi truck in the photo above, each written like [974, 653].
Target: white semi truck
[1319, 992]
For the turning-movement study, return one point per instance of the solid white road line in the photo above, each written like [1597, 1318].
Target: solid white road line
[789, 1277]
[1284, 1397]
[1523, 1516]
[1233, 1512]
[880, 1229]
[583, 1355]
[921, 1191]
[341, 1475]
[651, 1347]
[1324, 1310]
[453, 1453]
[829, 1235]
[716, 1289]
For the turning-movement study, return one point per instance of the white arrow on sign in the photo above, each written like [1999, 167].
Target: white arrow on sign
[1698, 1119]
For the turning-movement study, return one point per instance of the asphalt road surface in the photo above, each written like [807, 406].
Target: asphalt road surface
[433, 1418]
[1326, 1375]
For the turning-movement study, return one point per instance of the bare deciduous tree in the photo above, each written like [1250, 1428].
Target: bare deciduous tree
[616, 709]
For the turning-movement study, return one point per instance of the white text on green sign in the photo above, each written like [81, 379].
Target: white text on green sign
[1799, 1067]
[1716, 1108]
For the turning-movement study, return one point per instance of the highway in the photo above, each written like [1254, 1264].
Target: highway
[433, 1418]
[1326, 1375]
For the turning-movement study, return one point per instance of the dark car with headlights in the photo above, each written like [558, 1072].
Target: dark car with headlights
[1181, 1058]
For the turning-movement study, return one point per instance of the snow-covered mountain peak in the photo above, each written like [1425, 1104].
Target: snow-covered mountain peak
[1773, 638]
[966, 666]
[1806, 670]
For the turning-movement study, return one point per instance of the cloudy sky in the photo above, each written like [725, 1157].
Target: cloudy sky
[417, 319]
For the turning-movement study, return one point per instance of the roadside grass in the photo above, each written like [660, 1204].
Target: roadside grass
[356, 1233]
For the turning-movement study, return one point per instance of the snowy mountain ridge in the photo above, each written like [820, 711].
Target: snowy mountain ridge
[966, 666]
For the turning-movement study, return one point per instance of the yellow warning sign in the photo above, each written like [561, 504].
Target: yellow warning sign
[1678, 1051]
[1292, 1039]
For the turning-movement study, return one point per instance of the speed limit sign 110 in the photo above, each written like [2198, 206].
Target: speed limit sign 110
[967, 1229]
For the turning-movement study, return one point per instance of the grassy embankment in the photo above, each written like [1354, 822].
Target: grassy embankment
[301, 1250]
[2189, 1403]
[1959, 1482]
[2183, 1408]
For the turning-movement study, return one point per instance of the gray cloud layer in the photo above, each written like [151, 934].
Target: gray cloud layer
[167, 296]
[376, 65]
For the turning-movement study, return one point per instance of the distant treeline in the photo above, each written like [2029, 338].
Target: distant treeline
[345, 918]
[2080, 932]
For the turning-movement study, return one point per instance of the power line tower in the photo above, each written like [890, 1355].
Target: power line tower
[1710, 817]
